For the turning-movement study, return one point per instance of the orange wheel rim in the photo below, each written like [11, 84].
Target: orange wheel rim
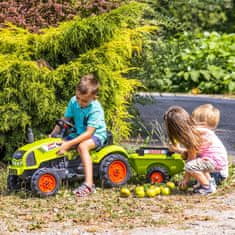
[47, 183]
[156, 177]
[117, 171]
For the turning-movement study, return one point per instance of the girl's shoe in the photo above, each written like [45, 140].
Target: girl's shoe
[196, 187]
[84, 190]
[206, 189]
[213, 184]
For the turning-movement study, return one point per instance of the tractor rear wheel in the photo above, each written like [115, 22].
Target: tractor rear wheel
[114, 170]
[45, 182]
[157, 175]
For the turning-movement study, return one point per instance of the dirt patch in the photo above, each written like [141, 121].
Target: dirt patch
[175, 214]
[107, 213]
[215, 216]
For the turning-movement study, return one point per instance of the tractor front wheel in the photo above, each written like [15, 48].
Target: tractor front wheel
[45, 182]
[114, 170]
[157, 175]
[14, 183]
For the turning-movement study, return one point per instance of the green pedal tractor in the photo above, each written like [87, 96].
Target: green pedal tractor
[38, 167]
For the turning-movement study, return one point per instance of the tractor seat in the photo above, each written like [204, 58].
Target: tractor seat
[109, 141]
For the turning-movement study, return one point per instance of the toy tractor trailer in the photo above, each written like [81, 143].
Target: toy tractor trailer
[157, 164]
[40, 169]
[38, 166]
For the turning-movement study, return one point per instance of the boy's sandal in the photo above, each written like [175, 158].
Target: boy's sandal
[84, 190]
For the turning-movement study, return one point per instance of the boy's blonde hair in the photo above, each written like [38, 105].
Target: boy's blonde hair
[88, 85]
[206, 115]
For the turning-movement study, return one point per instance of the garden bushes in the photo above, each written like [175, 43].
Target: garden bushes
[70, 39]
[182, 57]
[66, 42]
[197, 62]
[26, 98]
[38, 73]
[208, 63]
[35, 15]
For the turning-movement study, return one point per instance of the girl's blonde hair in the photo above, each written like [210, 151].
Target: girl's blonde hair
[206, 115]
[182, 129]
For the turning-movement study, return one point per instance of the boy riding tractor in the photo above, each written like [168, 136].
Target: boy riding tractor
[39, 168]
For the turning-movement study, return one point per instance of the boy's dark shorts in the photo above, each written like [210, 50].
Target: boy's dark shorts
[96, 140]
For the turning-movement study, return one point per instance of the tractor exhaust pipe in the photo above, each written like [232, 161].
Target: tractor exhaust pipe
[30, 135]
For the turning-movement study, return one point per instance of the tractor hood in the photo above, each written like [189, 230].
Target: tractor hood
[39, 144]
[31, 156]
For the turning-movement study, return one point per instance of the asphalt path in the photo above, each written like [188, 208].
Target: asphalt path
[161, 102]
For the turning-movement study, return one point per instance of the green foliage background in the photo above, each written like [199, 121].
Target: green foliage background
[193, 49]
[204, 61]
[38, 73]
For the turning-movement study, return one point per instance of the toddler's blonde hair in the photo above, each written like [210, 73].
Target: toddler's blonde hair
[206, 115]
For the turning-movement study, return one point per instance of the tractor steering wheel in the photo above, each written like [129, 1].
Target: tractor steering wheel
[66, 128]
[64, 123]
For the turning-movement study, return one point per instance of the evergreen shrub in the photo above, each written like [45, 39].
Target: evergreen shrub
[35, 91]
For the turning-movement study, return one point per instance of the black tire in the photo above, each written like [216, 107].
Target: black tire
[160, 173]
[111, 177]
[45, 182]
[14, 183]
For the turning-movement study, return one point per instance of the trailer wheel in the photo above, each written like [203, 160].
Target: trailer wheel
[45, 182]
[114, 170]
[157, 175]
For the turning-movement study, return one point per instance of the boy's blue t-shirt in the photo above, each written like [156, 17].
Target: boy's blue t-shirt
[92, 116]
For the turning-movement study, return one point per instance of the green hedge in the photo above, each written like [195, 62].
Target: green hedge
[191, 15]
[208, 63]
[64, 43]
[33, 93]
[204, 61]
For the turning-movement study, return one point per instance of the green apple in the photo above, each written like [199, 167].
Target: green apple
[125, 192]
[165, 191]
[183, 188]
[139, 188]
[151, 192]
[139, 191]
[157, 190]
[140, 194]
[171, 185]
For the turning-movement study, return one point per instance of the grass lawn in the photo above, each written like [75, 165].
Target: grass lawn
[22, 212]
